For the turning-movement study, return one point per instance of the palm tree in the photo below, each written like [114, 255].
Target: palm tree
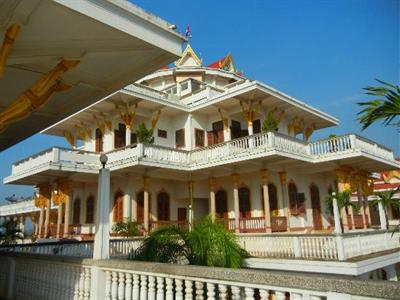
[385, 108]
[207, 244]
[9, 232]
[386, 198]
[343, 201]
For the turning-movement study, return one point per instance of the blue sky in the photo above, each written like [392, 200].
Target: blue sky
[321, 52]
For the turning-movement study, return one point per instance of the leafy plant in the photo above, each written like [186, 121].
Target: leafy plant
[386, 198]
[385, 108]
[271, 122]
[127, 228]
[9, 232]
[207, 244]
[343, 200]
[144, 135]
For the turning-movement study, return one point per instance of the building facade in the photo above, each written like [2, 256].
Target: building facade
[222, 144]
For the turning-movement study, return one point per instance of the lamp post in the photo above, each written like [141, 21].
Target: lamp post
[102, 236]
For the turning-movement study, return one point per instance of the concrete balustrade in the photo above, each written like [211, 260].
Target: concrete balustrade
[306, 246]
[39, 277]
[257, 145]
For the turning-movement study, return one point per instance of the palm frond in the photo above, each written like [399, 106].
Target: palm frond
[386, 108]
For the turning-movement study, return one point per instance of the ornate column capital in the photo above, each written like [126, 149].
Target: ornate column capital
[212, 181]
[235, 180]
[146, 183]
[264, 176]
[283, 177]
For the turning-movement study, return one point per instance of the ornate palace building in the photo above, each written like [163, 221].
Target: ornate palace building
[210, 155]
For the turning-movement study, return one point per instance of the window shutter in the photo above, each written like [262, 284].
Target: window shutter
[199, 137]
[180, 138]
[210, 138]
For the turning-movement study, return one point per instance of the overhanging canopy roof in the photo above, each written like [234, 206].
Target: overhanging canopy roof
[114, 42]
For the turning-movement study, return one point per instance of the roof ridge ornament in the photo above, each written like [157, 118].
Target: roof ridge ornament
[188, 53]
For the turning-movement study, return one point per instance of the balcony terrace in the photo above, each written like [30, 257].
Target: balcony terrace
[350, 150]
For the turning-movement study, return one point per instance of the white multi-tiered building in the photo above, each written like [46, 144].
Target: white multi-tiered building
[213, 153]
[209, 150]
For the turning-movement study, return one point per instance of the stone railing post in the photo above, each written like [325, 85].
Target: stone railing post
[140, 150]
[296, 246]
[56, 154]
[337, 296]
[340, 248]
[97, 283]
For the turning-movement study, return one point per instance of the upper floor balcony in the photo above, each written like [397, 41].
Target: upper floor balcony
[327, 154]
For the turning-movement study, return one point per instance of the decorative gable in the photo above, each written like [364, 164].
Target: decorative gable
[225, 63]
[189, 59]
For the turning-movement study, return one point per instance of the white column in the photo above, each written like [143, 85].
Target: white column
[391, 272]
[191, 209]
[336, 214]
[67, 214]
[59, 219]
[382, 216]
[212, 198]
[361, 205]
[22, 225]
[127, 207]
[102, 238]
[146, 203]
[41, 215]
[235, 179]
[128, 135]
[250, 126]
[267, 210]
[47, 220]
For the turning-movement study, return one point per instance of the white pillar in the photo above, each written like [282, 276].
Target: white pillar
[146, 204]
[212, 199]
[250, 127]
[47, 220]
[391, 272]
[382, 216]
[235, 178]
[128, 135]
[67, 214]
[336, 215]
[127, 207]
[191, 209]
[267, 210]
[59, 219]
[102, 237]
[41, 216]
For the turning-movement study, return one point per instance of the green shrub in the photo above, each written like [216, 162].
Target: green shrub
[271, 122]
[144, 135]
[126, 228]
[208, 244]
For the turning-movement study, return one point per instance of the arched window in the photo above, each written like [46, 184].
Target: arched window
[221, 204]
[140, 207]
[90, 210]
[273, 198]
[316, 207]
[163, 206]
[99, 140]
[244, 202]
[292, 191]
[118, 206]
[77, 211]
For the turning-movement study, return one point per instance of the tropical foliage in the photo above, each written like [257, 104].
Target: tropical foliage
[144, 135]
[271, 122]
[9, 232]
[385, 107]
[127, 228]
[207, 244]
[386, 198]
[343, 200]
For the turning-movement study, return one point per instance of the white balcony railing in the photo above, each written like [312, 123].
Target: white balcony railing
[55, 158]
[310, 246]
[255, 146]
[33, 277]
